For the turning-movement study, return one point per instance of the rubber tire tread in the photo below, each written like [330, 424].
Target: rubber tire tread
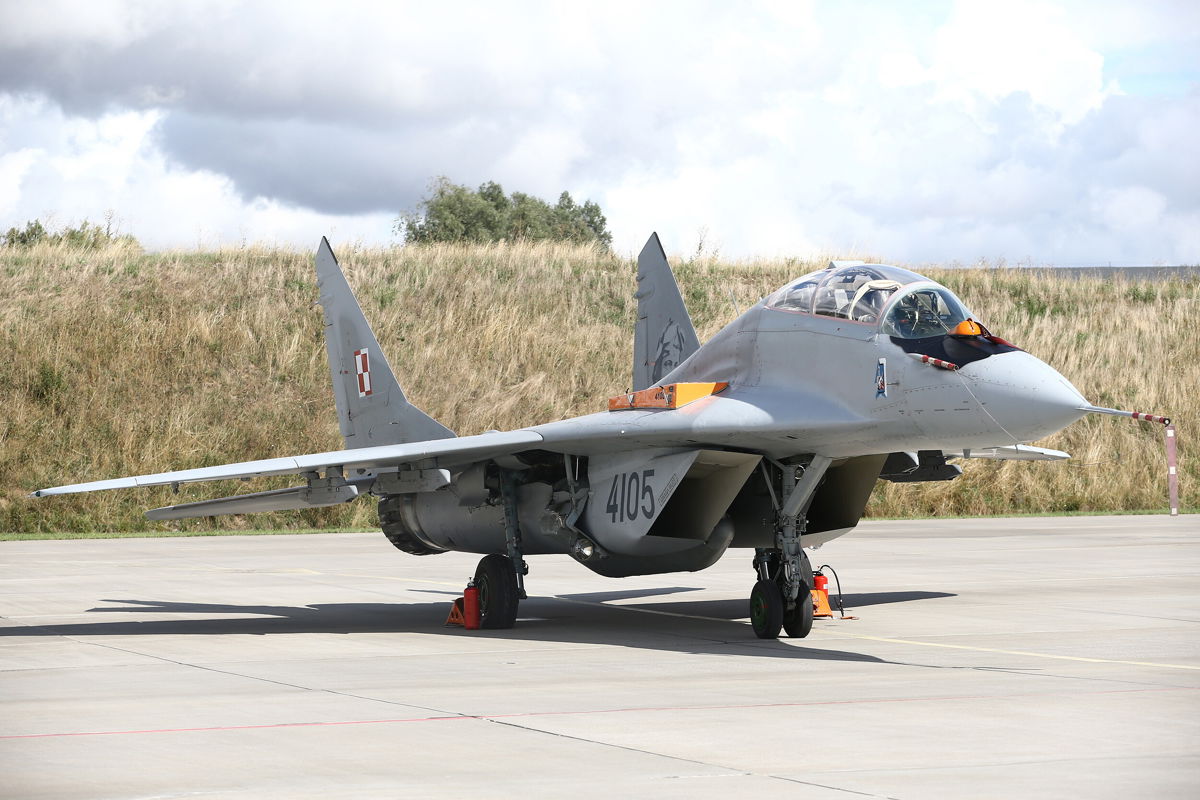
[766, 609]
[498, 598]
[799, 621]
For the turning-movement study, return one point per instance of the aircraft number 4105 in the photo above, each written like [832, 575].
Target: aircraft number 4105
[630, 496]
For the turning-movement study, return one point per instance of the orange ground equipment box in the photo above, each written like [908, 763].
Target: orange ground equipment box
[673, 395]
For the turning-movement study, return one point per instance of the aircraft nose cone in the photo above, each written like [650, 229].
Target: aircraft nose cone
[1027, 396]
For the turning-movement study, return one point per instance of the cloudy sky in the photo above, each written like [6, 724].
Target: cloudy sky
[1063, 133]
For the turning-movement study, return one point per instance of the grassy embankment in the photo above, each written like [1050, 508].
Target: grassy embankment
[120, 363]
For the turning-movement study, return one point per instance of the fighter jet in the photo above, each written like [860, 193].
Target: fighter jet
[768, 438]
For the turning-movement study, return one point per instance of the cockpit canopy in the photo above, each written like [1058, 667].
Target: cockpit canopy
[904, 304]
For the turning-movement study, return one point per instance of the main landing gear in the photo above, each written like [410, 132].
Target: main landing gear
[501, 578]
[781, 599]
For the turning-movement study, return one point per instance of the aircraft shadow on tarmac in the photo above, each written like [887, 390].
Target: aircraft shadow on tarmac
[698, 626]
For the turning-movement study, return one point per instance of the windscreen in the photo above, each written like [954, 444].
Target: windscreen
[798, 295]
[924, 311]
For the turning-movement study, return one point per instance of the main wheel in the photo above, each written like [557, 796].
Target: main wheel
[498, 597]
[799, 621]
[766, 610]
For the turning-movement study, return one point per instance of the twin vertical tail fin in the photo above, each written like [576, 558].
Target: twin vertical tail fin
[372, 409]
[664, 336]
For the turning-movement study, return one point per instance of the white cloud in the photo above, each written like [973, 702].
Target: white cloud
[992, 50]
[111, 163]
[916, 133]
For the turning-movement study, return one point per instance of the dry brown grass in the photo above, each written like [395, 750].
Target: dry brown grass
[122, 363]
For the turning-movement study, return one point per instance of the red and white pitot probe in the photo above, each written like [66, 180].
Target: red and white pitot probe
[1172, 457]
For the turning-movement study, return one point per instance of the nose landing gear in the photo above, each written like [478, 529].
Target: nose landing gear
[782, 597]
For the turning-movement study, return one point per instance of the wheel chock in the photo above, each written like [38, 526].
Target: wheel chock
[820, 596]
[456, 615]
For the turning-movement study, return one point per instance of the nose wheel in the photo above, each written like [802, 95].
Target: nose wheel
[769, 612]
[799, 621]
[766, 609]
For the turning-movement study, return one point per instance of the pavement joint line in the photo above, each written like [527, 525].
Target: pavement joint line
[231, 673]
[1106, 757]
[1055, 656]
[823, 634]
[656, 754]
[445, 716]
[904, 641]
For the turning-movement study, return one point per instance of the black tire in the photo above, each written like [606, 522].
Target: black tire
[766, 609]
[497, 583]
[799, 621]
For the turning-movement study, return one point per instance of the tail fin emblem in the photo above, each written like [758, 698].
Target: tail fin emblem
[362, 367]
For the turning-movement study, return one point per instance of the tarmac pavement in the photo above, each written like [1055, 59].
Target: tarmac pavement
[997, 658]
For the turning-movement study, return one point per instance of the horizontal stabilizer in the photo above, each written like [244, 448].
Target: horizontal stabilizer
[296, 497]
[1014, 452]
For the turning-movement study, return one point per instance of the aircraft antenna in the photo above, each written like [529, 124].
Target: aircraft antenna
[733, 302]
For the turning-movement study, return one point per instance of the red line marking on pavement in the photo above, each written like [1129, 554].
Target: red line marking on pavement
[488, 717]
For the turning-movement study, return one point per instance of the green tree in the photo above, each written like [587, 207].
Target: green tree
[454, 213]
[34, 233]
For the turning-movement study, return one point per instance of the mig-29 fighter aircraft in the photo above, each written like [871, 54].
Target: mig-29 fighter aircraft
[769, 437]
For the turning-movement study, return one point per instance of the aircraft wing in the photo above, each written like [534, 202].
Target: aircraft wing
[463, 448]
[1015, 452]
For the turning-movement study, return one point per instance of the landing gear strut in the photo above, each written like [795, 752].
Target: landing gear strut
[781, 597]
[501, 578]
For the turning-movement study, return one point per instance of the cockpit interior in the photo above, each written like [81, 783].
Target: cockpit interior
[904, 304]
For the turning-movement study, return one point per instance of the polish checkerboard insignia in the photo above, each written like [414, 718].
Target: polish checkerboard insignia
[362, 367]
